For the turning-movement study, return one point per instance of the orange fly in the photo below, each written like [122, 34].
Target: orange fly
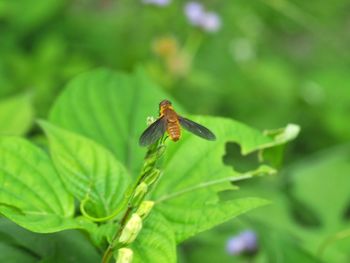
[169, 121]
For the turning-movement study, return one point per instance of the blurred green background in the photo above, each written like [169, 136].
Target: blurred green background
[271, 62]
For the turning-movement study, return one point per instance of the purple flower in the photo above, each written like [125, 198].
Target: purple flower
[249, 239]
[211, 22]
[157, 2]
[194, 12]
[235, 246]
[243, 242]
[198, 16]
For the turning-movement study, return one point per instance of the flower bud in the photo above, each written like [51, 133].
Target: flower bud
[131, 229]
[140, 192]
[125, 255]
[152, 177]
[145, 208]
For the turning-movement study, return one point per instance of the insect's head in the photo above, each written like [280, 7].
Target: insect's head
[164, 103]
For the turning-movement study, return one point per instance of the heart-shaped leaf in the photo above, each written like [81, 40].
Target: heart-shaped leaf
[31, 193]
[110, 108]
[194, 173]
[89, 171]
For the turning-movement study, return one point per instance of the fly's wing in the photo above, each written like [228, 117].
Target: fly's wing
[197, 129]
[153, 132]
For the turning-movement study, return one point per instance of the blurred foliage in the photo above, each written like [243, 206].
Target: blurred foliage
[19, 123]
[273, 62]
[20, 245]
[307, 208]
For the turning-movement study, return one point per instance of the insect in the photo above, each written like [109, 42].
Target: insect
[169, 121]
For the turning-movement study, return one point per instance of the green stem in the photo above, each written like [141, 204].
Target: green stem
[148, 170]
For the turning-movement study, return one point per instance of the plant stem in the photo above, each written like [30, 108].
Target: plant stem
[153, 155]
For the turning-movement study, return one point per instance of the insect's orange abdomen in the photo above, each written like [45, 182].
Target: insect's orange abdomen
[174, 130]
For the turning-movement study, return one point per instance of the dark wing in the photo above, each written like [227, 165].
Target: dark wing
[197, 129]
[153, 132]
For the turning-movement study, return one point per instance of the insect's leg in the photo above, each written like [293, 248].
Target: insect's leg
[165, 137]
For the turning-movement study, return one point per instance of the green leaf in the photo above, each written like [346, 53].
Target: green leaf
[31, 193]
[193, 168]
[194, 217]
[313, 206]
[274, 155]
[273, 246]
[156, 242]
[16, 115]
[13, 254]
[66, 246]
[110, 108]
[89, 171]
[281, 136]
[327, 174]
